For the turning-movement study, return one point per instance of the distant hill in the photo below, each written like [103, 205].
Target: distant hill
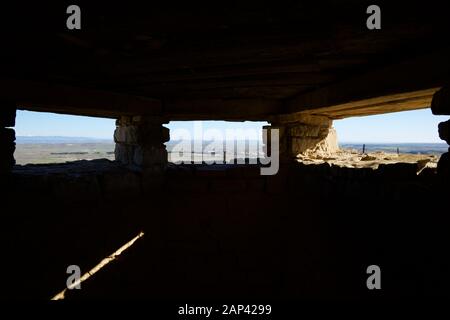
[412, 148]
[56, 140]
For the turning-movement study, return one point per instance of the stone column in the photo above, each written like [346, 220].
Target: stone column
[303, 134]
[140, 143]
[7, 138]
[440, 105]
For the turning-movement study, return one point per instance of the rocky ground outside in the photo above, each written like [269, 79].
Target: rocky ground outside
[355, 159]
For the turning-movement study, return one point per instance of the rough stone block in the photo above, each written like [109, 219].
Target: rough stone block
[140, 143]
[7, 136]
[329, 144]
[141, 134]
[152, 134]
[127, 135]
[137, 119]
[7, 145]
[7, 116]
[165, 134]
[149, 156]
[8, 150]
[7, 160]
[305, 131]
[444, 131]
[324, 132]
[124, 121]
[124, 153]
[300, 145]
[299, 137]
[440, 105]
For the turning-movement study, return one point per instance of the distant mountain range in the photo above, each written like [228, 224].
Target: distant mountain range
[57, 139]
[415, 148]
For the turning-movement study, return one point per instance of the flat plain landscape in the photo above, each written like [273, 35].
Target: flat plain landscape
[41, 150]
[58, 153]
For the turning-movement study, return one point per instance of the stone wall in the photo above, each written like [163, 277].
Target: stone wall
[304, 134]
[220, 231]
[441, 106]
[104, 180]
[140, 143]
[7, 138]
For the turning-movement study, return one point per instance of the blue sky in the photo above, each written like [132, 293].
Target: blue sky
[407, 126]
[51, 124]
[410, 126]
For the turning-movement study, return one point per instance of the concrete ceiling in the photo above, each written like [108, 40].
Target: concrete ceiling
[224, 60]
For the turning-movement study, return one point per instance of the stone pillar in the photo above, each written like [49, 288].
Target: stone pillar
[7, 138]
[440, 105]
[140, 143]
[303, 134]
